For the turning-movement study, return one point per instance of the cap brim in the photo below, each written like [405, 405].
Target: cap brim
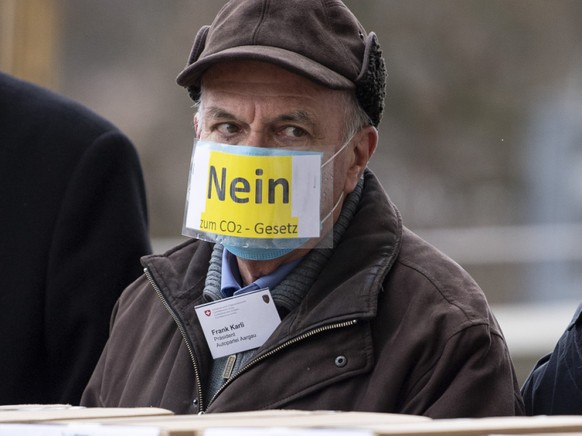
[291, 61]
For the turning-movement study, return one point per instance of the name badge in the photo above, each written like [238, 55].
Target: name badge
[238, 323]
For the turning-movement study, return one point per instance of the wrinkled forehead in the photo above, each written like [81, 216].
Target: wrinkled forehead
[252, 90]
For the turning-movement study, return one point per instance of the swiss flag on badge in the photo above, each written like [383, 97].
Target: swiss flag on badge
[208, 312]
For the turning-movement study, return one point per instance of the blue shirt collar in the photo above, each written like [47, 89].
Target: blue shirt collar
[230, 281]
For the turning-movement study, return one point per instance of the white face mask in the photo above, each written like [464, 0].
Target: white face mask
[260, 203]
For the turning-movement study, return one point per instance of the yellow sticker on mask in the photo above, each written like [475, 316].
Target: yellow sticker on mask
[251, 192]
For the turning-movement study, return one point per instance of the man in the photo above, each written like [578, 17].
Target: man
[554, 386]
[73, 225]
[366, 315]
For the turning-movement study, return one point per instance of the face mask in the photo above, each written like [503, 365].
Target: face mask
[259, 203]
[256, 253]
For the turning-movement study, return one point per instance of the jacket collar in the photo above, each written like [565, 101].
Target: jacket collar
[348, 286]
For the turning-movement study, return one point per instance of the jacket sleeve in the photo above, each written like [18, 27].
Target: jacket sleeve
[554, 387]
[473, 377]
[100, 235]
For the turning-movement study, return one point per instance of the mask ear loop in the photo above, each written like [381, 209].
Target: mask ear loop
[339, 200]
[342, 148]
[325, 218]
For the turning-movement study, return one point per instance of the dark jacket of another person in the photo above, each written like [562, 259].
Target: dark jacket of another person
[73, 225]
[554, 387]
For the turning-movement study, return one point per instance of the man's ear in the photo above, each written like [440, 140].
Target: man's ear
[365, 142]
[197, 125]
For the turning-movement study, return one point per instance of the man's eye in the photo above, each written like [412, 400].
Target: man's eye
[227, 129]
[294, 132]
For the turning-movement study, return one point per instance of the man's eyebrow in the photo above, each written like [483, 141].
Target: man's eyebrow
[297, 116]
[217, 113]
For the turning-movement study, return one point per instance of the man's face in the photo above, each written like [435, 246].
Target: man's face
[259, 104]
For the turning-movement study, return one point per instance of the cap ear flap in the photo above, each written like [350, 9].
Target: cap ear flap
[197, 49]
[371, 82]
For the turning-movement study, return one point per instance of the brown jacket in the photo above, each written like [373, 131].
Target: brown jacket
[390, 325]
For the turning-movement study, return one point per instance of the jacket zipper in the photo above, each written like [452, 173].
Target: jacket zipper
[282, 346]
[184, 336]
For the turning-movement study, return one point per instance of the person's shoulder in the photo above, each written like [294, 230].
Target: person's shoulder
[576, 321]
[172, 275]
[179, 252]
[441, 280]
[180, 267]
[23, 100]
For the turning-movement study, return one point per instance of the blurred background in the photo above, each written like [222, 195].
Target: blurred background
[481, 141]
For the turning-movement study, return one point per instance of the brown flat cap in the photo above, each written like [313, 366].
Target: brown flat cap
[318, 39]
